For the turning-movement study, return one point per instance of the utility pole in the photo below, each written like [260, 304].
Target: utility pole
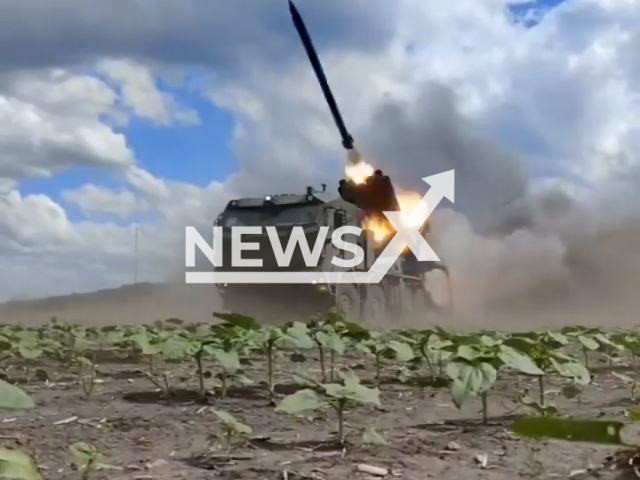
[135, 253]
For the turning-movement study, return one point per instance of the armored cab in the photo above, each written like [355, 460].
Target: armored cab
[397, 294]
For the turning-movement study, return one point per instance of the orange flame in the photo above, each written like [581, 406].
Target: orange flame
[358, 172]
[380, 227]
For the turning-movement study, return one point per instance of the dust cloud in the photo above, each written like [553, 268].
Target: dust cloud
[516, 253]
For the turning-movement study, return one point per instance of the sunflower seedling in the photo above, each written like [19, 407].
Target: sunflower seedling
[88, 459]
[543, 348]
[267, 339]
[232, 428]
[380, 348]
[162, 384]
[340, 398]
[474, 370]
[17, 465]
[327, 339]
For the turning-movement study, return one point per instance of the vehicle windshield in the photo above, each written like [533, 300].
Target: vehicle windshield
[290, 215]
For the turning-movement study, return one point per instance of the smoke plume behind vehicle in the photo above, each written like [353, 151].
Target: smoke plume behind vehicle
[511, 246]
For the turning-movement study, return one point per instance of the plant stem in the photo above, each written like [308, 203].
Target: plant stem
[88, 468]
[333, 359]
[426, 357]
[270, 369]
[198, 357]
[541, 389]
[586, 356]
[224, 384]
[485, 408]
[340, 411]
[378, 381]
[322, 367]
[229, 435]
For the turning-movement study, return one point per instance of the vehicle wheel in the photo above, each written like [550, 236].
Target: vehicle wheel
[375, 306]
[406, 302]
[418, 305]
[348, 301]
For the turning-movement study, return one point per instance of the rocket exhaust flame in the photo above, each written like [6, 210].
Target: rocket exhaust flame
[358, 173]
[380, 226]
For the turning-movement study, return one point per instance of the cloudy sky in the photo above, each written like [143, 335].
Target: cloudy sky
[158, 112]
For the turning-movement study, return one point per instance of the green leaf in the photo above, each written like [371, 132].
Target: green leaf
[298, 334]
[231, 423]
[87, 456]
[404, 352]
[230, 361]
[470, 380]
[593, 431]
[348, 376]
[175, 348]
[14, 398]
[331, 340]
[29, 350]
[371, 437]
[573, 370]
[18, 465]
[488, 341]
[467, 352]
[307, 380]
[518, 361]
[520, 343]
[362, 395]
[84, 452]
[143, 342]
[355, 331]
[602, 339]
[588, 343]
[243, 321]
[558, 337]
[301, 401]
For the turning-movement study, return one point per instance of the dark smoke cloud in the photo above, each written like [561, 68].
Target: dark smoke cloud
[426, 137]
[511, 248]
[218, 34]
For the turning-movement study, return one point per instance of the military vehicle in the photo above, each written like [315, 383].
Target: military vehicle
[399, 294]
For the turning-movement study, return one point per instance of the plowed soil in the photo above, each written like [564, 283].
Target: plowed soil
[151, 437]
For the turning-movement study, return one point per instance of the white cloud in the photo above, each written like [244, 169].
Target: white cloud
[51, 121]
[93, 199]
[141, 93]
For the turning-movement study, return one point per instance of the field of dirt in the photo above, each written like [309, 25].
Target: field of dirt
[145, 303]
[149, 437]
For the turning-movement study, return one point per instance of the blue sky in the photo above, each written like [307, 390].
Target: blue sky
[196, 154]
